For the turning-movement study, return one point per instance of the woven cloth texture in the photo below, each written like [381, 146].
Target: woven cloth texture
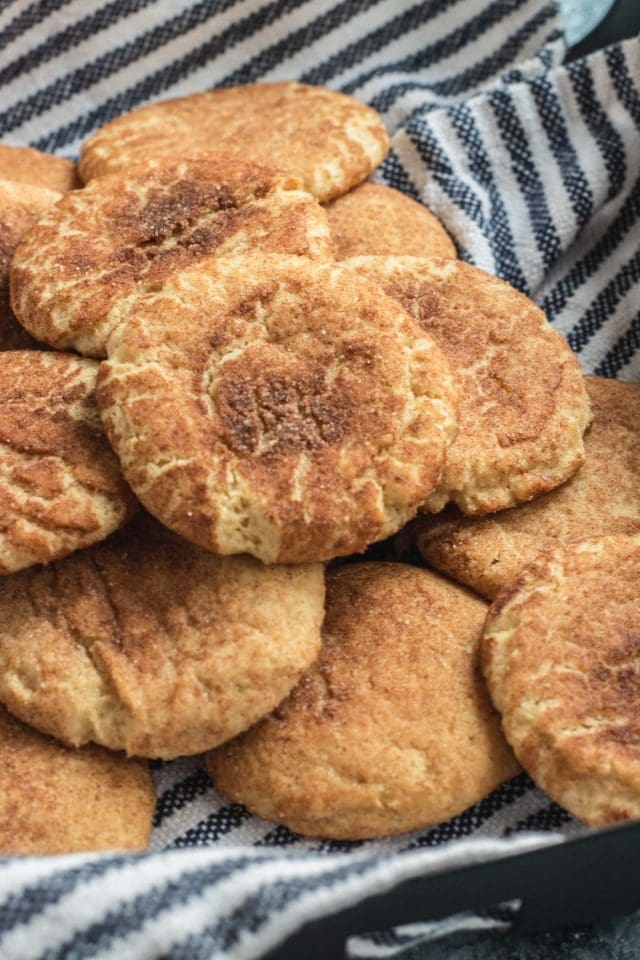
[534, 168]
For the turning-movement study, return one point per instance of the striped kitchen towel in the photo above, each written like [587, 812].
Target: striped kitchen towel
[534, 167]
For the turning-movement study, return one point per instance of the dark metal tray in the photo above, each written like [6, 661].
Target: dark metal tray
[578, 881]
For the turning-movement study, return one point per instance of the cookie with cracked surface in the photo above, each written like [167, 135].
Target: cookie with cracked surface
[54, 800]
[331, 141]
[374, 220]
[391, 729]
[38, 169]
[602, 498]
[21, 206]
[561, 654]
[147, 644]
[61, 487]
[73, 276]
[523, 405]
[282, 408]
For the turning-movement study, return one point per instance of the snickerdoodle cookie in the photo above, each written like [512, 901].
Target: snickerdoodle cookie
[391, 729]
[21, 206]
[523, 405]
[60, 483]
[56, 800]
[75, 273]
[377, 220]
[28, 166]
[603, 497]
[147, 644]
[330, 140]
[278, 407]
[561, 655]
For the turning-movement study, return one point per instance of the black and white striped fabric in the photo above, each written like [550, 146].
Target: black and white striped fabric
[534, 167]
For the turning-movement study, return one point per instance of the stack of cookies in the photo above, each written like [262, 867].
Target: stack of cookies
[229, 365]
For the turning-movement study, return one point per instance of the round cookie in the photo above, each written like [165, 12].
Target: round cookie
[74, 275]
[54, 800]
[21, 205]
[561, 654]
[391, 729]
[147, 644]
[281, 407]
[523, 405]
[60, 483]
[28, 166]
[329, 140]
[375, 220]
[602, 498]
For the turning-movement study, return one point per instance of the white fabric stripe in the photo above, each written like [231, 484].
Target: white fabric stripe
[179, 823]
[591, 162]
[494, 826]
[207, 75]
[424, 932]
[604, 338]
[458, 61]
[27, 42]
[593, 166]
[215, 71]
[249, 832]
[179, 47]
[24, 41]
[586, 293]
[110, 891]
[176, 823]
[615, 110]
[197, 811]
[30, 81]
[23, 872]
[560, 209]
[461, 227]
[631, 370]
[32, 36]
[153, 938]
[415, 99]
[369, 20]
[171, 926]
[448, 68]
[8, 15]
[334, 42]
[525, 246]
[192, 814]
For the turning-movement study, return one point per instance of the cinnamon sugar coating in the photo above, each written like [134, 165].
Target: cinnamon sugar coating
[281, 407]
[37, 169]
[329, 140]
[391, 729]
[147, 644]
[21, 206]
[54, 800]
[561, 654]
[374, 220]
[523, 405]
[73, 274]
[602, 498]
[61, 487]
